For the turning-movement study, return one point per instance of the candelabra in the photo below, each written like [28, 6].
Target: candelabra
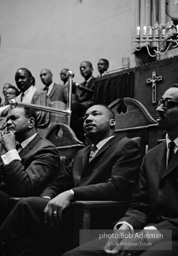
[163, 37]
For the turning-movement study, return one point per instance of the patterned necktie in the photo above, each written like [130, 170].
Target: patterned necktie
[171, 151]
[93, 151]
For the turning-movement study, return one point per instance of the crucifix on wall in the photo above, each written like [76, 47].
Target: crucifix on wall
[153, 81]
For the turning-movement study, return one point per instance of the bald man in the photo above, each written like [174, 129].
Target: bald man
[55, 92]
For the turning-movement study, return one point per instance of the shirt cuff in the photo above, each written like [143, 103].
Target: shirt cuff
[72, 192]
[47, 197]
[10, 156]
[123, 222]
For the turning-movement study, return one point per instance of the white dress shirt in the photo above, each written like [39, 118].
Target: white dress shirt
[13, 154]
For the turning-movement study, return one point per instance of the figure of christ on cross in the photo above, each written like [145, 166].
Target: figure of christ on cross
[153, 81]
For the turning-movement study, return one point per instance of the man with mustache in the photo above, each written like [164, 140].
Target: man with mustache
[105, 170]
[27, 161]
[150, 226]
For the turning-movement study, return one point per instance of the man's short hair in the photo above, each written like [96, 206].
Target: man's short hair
[89, 63]
[26, 70]
[30, 112]
[112, 115]
[175, 85]
[106, 62]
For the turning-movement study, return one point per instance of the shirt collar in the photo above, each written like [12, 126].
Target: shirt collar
[28, 95]
[50, 88]
[175, 141]
[103, 142]
[27, 141]
[87, 81]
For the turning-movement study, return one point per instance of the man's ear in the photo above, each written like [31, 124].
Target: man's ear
[31, 122]
[112, 122]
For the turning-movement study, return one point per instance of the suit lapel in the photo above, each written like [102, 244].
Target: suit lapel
[32, 143]
[99, 153]
[173, 164]
[85, 156]
[161, 159]
[53, 91]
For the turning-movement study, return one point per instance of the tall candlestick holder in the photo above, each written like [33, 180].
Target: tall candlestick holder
[162, 37]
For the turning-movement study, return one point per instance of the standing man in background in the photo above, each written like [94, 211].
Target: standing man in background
[83, 98]
[65, 78]
[54, 91]
[103, 65]
[31, 95]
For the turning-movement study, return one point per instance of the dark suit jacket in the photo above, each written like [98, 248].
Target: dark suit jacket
[57, 93]
[157, 200]
[86, 98]
[28, 177]
[112, 174]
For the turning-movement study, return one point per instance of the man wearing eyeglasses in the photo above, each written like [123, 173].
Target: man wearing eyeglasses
[150, 226]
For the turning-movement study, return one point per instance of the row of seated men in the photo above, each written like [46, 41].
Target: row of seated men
[108, 169]
[82, 95]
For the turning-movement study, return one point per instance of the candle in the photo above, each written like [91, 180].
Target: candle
[144, 31]
[163, 32]
[156, 31]
[138, 31]
[150, 32]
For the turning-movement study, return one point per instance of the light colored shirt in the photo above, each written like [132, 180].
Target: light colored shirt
[167, 145]
[13, 154]
[28, 95]
[50, 87]
[101, 144]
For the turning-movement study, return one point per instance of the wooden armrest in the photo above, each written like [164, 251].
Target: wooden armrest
[96, 215]
[99, 204]
[87, 208]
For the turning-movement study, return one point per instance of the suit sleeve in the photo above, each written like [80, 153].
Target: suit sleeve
[62, 182]
[123, 177]
[43, 117]
[30, 179]
[140, 211]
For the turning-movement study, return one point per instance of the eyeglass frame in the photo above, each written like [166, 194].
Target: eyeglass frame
[11, 93]
[167, 103]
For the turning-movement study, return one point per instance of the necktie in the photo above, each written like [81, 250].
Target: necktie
[171, 151]
[46, 89]
[18, 147]
[93, 151]
[22, 96]
[85, 84]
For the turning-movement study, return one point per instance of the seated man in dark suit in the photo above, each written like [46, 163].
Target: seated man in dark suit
[150, 226]
[25, 172]
[110, 172]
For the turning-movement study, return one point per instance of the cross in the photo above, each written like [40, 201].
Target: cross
[153, 81]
